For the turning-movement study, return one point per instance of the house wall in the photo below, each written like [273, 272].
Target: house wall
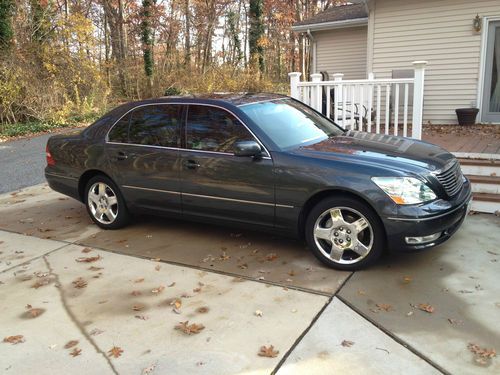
[441, 32]
[342, 51]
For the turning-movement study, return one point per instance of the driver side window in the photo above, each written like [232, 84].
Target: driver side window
[213, 129]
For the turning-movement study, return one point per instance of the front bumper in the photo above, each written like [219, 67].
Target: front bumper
[427, 220]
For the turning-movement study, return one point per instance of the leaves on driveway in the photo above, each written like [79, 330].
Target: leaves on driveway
[94, 268]
[79, 283]
[138, 307]
[136, 293]
[268, 351]
[177, 303]
[75, 352]
[139, 280]
[35, 312]
[384, 306]
[42, 282]
[86, 250]
[88, 259]
[271, 256]
[70, 344]
[481, 355]
[426, 307]
[347, 343]
[158, 290]
[17, 339]
[115, 352]
[189, 329]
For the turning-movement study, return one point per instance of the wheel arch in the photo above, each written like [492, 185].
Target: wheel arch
[331, 192]
[85, 177]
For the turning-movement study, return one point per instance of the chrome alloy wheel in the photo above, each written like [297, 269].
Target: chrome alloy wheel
[343, 235]
[103, 203]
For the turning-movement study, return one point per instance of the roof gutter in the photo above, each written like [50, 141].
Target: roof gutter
[330, 25]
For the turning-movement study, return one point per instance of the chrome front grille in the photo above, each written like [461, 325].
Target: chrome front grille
[451, 179]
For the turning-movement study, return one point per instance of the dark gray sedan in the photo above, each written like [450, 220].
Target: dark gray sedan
[263, 161]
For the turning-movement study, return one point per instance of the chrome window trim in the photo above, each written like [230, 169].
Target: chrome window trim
[106, 138]
[209, 197]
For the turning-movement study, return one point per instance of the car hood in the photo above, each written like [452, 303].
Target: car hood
[403, 154]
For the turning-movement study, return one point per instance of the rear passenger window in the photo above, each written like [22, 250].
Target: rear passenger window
[119, 132]
[156, 125]
[213, 129]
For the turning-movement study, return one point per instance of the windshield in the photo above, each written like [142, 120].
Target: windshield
[289, 123]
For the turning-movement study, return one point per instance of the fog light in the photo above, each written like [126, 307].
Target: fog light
[421, 240]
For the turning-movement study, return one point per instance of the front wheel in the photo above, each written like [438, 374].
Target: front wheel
[344, 233]
[105, 203]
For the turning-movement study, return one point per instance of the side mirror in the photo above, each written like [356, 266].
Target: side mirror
[247, 148]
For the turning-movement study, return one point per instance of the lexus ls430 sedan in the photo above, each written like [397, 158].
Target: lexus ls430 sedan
[263, 161]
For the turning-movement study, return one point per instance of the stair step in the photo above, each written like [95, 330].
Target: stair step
[479, 162]
[495, 180]
[485, 197]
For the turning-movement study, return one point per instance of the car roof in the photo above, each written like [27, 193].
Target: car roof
[236, 99]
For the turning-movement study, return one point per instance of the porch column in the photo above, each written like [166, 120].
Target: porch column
[418, 99]
[294, 84]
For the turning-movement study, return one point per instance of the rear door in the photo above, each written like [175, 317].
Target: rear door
[143, 150]
[215, 182]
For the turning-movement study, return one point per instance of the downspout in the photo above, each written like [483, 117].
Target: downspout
[313, 44]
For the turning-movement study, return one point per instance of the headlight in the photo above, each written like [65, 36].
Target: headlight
[405, 190]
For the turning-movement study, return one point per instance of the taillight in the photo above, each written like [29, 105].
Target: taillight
[50, 159]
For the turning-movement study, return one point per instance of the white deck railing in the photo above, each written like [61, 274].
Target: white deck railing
[373, 105]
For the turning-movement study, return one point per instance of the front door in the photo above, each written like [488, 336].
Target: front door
[143, 149]
[491, 93]
[216, 183]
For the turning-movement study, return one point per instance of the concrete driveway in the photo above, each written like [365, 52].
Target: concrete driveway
[433, 312]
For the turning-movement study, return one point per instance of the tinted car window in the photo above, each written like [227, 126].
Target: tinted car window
[119, 132]
[156, 125]
[290, 123]
[213, 129]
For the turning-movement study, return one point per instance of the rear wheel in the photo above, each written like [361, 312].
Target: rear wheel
[344, 233]
[105, 203]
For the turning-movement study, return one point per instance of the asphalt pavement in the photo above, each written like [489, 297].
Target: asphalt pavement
[22, 162]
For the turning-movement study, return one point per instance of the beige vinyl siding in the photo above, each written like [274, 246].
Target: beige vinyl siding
[440, 32]
[342, 51]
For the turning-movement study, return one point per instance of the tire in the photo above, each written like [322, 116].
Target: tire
[105, 203]
[344, 233]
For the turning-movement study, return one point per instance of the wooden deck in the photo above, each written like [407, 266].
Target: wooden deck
[484, 139]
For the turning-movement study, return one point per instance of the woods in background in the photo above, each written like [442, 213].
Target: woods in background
[62, 59]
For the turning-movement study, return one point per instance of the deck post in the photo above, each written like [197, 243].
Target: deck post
[316, 96]
[418, 99]
[294, 82]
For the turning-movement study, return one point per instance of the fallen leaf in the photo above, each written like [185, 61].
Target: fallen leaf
[138, 307]
[79, 283]
[41, 282]
[268, 351]
[94, 268]
[243, 266]
[156, 259]
[426, 307]
[75, 352]
[136, 293]
[14, 339]
[177, 303]
[171, 285]
[258, 313]
[271, 256]
[347, 343]
[141, 317]
[28, 306]
[224, 256]
[291, 273]
[455, 321]
[139, 280]
[148, 370]
[115, 352]
[34, 312]
[86, 250]
[384, 306]
[189, 329]
[88, 259]
[407, 279]
[482, 355]
[70, 344]
[158, 290]
[202, 310]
